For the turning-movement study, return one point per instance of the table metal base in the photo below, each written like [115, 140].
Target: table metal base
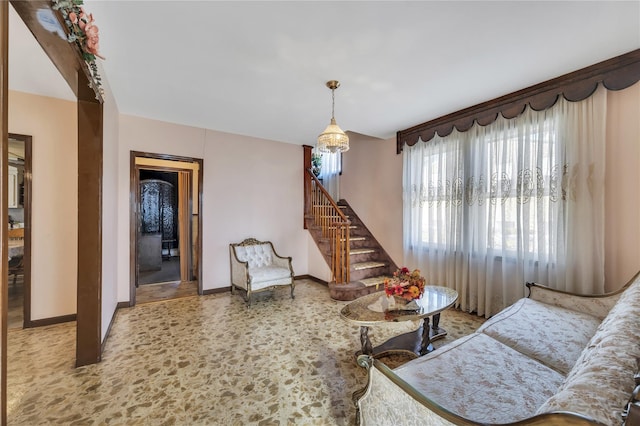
[415, 343]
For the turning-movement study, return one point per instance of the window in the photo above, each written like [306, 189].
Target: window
[518, 200]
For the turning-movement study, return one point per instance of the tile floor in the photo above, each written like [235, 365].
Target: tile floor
[205, 360]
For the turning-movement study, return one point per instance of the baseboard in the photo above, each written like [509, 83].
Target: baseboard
[123, 305]
[312, 278]
[216, 290]
[49, 321]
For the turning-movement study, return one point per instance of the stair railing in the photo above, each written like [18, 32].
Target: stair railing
[334, 226]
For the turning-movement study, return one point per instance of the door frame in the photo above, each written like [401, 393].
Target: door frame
[26, 205]
[134, 204]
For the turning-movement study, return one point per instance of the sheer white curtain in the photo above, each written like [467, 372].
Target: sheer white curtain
[518, 200]
[330, 174]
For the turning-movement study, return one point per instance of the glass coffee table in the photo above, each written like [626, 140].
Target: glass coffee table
[376, 308]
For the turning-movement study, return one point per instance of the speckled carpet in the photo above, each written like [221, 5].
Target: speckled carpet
[205, 360]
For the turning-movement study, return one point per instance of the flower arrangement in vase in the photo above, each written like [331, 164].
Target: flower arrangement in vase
[407, 284]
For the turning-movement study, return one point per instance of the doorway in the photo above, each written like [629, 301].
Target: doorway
[19, 215]
[165, 219]
[159, 254]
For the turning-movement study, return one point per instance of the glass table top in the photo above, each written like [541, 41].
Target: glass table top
[378, 307]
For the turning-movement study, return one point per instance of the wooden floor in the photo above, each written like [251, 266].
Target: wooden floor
[169, 271]
[15, 302]
[163, 291]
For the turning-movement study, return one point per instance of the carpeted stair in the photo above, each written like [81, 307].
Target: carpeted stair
[370, 263]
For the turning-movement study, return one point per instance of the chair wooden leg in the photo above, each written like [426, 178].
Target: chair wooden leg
[292, 288]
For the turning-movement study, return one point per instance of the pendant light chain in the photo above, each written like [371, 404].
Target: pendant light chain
[333, 103]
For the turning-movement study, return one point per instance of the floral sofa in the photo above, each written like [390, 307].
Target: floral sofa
[551, 358]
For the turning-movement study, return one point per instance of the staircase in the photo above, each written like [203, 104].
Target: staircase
[367, 262]
[370, 263]
[357, 261]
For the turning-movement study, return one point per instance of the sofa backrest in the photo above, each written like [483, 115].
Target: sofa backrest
[257, 255]
[601, 381]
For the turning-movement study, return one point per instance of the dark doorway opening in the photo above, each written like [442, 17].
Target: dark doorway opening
[159, 239]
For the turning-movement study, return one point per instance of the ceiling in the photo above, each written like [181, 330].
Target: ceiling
[259, 68]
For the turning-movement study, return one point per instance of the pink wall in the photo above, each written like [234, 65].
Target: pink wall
[371, 182]
[53, 125]
[239, 172]
[109, 207]
[251, 188]
[622, 231]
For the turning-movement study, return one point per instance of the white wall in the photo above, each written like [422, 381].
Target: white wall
[109, 208]
[54, 238]
[251, 188]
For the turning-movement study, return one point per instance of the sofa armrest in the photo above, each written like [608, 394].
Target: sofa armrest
[595, 305]
[387, 399]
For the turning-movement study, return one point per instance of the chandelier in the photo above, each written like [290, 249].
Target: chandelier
[333, 139]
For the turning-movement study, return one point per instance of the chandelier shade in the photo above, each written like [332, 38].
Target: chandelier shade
[333, 139]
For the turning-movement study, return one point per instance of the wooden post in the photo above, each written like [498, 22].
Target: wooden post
[4, 162]
[89, 316]
[307, 183]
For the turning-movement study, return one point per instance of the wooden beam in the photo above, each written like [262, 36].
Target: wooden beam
[306, 165]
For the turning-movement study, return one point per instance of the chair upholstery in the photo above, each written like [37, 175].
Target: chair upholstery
[255, 266]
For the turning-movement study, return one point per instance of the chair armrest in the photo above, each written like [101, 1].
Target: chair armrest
[597, 305]
[283, 262]
[239, 270]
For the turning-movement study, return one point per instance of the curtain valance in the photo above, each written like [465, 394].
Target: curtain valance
[614, 74]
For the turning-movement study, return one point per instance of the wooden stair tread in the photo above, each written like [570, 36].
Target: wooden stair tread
[367, 265]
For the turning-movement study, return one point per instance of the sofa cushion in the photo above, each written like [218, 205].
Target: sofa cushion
[482, 379]
[552, 335]
[599, 384]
